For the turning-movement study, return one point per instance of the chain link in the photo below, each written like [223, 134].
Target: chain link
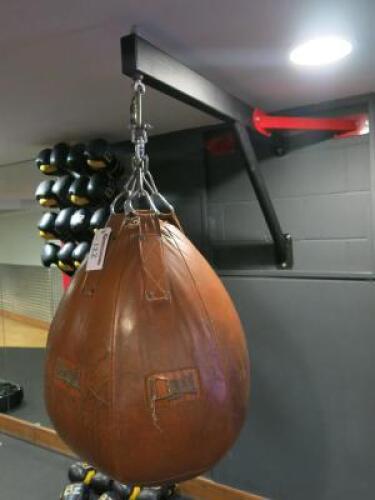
[139, 129]
[140, 188]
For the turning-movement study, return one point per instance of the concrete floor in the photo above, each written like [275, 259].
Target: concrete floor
[25, 366]
[22, 351]
[29, 472]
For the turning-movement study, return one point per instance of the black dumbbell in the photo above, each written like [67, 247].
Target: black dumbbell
[99, 218]
[110, 495]
[123, 491]
[80, 224]
[168, 490]
[65, 258]
[76, 161]
[75, 491]
[78, 191]
[60, 189]
[43, 162]
[46, 226]
[78, 472]
[80, 252]
[100, 189]
[44, 194]
[62, 223]
[150, 494]
[99, 156]
[59, 155]
[100, 483]
[49, 254]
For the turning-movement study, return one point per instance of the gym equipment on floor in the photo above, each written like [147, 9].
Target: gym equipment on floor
[11, 395]
[76, 491]
[80, 472]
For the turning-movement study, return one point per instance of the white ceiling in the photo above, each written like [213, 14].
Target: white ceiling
[61, 72]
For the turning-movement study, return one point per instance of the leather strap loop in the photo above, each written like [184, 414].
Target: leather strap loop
[172, 219]
[152, 257]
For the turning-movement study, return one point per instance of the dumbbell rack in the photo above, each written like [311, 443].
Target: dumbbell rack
[82, 182]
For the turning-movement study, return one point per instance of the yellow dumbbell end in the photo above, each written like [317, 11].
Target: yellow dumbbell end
[47, 169]
[46, 235]
[47, 202]
[136, 491]
[96, 164]
[89, 476]
[79, 200]
[65, 267]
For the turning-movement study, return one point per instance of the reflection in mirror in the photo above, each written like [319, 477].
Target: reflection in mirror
[29, 294]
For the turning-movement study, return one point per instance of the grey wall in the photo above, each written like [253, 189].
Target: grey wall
[178, 164]
[20, 243]
[310, 329]
[309, 433]
[321, 194]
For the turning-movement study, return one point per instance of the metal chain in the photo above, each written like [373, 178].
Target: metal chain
[138, 128]
[140, 188]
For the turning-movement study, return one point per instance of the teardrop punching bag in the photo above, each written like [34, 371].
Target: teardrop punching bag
[147, 371]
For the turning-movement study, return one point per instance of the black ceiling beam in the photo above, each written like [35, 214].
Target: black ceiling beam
[166, 74]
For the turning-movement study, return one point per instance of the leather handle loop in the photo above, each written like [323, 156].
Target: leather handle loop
[172, 219]
[156, 285]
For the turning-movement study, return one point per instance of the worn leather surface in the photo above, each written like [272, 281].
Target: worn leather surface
[147, 371]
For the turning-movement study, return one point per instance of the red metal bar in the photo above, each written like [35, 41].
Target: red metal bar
[66, 280]
[344, 126]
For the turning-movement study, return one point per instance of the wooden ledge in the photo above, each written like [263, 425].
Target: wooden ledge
[26, 320]
[201, 488]
[33, 434]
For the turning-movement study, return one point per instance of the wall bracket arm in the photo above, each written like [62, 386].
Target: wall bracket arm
[164, 73]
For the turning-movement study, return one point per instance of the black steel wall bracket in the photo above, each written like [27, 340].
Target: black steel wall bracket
[164, 73]
[282, 241]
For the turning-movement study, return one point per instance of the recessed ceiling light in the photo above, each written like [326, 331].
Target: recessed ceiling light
[320, 51]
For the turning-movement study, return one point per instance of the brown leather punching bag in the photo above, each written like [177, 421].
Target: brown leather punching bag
[147, 371]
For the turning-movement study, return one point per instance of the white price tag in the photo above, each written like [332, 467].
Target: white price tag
[98, 249]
